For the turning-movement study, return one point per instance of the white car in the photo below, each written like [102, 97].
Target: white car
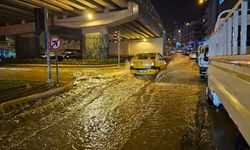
[179, 51]
[52, 55]
[193, 55]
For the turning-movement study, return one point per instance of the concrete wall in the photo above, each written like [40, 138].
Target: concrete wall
[27, 46]
[151, 45]
[134, 47]
[124, 48]
[94, 46]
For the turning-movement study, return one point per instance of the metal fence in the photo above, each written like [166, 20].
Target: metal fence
[230, 35]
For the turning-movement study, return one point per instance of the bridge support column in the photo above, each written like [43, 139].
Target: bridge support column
[27, 46]
[94, 43]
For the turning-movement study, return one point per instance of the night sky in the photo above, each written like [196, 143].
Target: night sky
[178, 11]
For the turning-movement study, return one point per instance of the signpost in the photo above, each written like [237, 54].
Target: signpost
[46, 38]
[55, 45]
[118, 47]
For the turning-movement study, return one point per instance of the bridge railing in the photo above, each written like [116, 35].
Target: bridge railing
[230, 35]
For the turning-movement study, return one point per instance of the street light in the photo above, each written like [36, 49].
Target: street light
[90, 16]
[201, 2]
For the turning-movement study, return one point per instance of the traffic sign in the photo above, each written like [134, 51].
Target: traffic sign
[55, 43]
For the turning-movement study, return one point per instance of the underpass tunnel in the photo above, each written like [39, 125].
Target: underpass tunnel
[135, 38]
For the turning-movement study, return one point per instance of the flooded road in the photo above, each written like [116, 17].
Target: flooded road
[110, 109]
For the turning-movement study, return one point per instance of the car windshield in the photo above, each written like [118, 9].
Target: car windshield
[145, 56]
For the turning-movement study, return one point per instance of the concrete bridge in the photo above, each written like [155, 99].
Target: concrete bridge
[85, 25]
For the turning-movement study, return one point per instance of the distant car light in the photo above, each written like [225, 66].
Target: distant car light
[153, 63]
[131, 64]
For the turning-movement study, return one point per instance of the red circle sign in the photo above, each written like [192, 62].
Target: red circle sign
[55, 43]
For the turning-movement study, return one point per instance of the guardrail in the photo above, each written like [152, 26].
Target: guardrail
[228, 39]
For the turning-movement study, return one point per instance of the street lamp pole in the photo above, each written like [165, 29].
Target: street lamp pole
[118, 47]
[46, 40]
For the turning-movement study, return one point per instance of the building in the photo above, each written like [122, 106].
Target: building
[226, 4]
[187, 32]
[214, 8]
[210, 17]
[192, 31]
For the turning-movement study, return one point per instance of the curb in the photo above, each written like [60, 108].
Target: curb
[61, 65]
[24, 102]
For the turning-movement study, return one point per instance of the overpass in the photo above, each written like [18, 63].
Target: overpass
[86, 25]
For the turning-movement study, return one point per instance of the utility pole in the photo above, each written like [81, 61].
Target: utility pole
[164, 42]
[46, 42]
[118, 47]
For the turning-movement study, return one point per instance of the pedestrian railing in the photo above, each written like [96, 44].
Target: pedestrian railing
[230, 35]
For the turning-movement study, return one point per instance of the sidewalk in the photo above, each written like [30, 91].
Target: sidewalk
[25, 101]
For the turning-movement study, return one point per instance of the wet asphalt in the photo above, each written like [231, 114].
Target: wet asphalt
[110, 109]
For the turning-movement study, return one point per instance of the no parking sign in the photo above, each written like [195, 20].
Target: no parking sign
[55, 43]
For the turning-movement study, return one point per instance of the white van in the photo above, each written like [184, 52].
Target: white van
[203, 61]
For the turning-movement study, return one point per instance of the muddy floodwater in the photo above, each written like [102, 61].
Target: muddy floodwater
[111, 109]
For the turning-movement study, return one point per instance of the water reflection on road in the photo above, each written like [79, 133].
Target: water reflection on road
[110, 109]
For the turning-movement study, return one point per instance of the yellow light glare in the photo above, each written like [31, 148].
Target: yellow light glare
[90, 16]
[200, 2]
[144, 40]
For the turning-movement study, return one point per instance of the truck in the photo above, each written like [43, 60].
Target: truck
[202, 59]
[228, 73]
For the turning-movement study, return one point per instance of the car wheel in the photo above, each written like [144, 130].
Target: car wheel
[152, 77]
[206, 91]
[207, 94]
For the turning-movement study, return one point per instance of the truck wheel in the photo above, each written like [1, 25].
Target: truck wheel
[207, 92]
[202, 77]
